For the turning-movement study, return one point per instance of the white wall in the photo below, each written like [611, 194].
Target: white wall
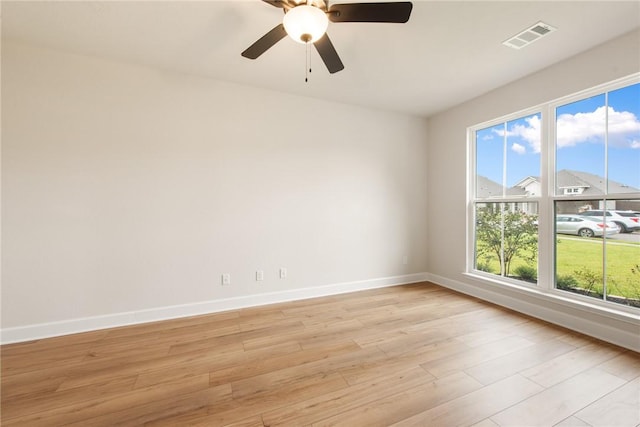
[447, 163]
[127, 189]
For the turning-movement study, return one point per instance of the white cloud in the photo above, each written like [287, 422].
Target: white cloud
[573, 129]
[520, 149]
[530, 132]
[579, 128]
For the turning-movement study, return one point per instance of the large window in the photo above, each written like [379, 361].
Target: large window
[555, 196]
[507, 188]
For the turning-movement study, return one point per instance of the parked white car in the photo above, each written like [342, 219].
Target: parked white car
[626, 220]
[584, 226]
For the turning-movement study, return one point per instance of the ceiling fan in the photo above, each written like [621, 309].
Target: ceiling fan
[306, 21]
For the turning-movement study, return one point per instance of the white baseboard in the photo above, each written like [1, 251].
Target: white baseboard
[614, 329]
[618, 329]
[72, 326]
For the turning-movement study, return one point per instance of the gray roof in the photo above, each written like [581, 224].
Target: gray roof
[487, 188]
[593, 184]
[516, 191]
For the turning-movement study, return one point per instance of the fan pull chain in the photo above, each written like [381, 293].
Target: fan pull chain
[308, 62]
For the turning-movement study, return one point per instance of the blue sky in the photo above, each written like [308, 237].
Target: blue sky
[580, 128]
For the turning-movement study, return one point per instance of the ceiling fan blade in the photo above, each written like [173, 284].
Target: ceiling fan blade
[286, 5]
[328, 54]
[396, 12]
[276, 3]
[265, 42]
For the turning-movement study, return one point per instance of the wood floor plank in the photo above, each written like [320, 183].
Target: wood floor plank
[485, 423]
[142, 350]
[519, 360]
[232, 339]
[30, 383]
[477, 405]
[621, 407]
[538, 331]
[307, 333]
[340, 401]
[254, 421]
[569, 364]
[320, 366]
[103, 406]
[256, 367]
[92, 373]
[572, 422]
[411, 401]
[369, 370]
[625, 366]
[219, 319]
[396, 346]
[561, 400]
[416, 354]
[237, 409]
[51, 344]
[18, 363]
[476, 355]
[469, 321]
[48, 401]
[204, 363]
[157, 409]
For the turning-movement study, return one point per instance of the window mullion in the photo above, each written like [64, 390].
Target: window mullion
[546, 265]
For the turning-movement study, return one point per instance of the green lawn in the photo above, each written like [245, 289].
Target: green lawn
[582, 259]
[585, 256]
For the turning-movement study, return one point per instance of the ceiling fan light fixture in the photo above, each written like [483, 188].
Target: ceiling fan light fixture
[305, 24]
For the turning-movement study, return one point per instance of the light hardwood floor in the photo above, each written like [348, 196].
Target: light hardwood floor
[406, 356]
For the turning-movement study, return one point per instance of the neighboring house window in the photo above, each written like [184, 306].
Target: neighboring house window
[507, 155]
[572, 190]
[577, 230]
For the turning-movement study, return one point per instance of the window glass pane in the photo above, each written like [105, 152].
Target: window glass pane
[489, 162]
[579, 250]
[488, 237]
[623, 149]
[622, 254]
[523, 157]
[598, 250]
[580, 148]
[506, 240]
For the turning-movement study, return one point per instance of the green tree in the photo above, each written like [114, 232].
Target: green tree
[507, 234]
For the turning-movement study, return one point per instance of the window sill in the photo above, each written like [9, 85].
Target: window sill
[607, 324]
[623, 313]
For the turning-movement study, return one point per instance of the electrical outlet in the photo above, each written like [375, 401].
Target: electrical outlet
[405, 259]
[259, 275]
[283, 273]
[226, 279]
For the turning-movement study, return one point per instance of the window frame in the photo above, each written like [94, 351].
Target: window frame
[546, 200]
[473, 200]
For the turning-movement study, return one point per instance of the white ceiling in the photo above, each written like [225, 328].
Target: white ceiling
[448, 52]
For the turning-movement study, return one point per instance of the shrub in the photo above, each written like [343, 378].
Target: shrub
[566, 282]
[526, 272]
[484, 266]
[590, 281]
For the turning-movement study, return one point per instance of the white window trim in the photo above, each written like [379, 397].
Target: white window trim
[546, 201]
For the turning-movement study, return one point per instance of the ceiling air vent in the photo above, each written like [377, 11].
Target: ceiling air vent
[529, 35]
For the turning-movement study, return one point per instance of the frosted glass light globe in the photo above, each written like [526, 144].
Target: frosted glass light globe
[305, 24]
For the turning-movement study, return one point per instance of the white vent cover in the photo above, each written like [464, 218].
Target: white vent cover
[528, 36]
